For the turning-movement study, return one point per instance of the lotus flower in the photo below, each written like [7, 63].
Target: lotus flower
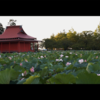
[66, 56]
[75, 54]
[25, 73]
[85, 61]
[98, 74]
[26, 60]
[32, 69]
[20, 64]
[60, 60]
[57, 59]
[45, 56]
[81, 61]
[70, 52]
[22, 74]
[68, 63]
[10, 58]
[14, 61]
[96, 56]
[22, 78]
[61, 55]
[42, 57]
[0, 56]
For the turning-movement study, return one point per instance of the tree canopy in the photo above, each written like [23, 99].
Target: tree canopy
[1, 28]
[87, 40]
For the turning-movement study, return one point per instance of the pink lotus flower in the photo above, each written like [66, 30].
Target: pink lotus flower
[26, 60]
[70, 52]
[25, 73]
[10, 58]
[96, 56]
[22, 74]
[85, 61]
[66, 56]
[20, 64]
[45, 56]
[57, 59]
[98, 74]
[81, 61]
[14, 62]
[61, 55]
[68, 63]
[32, 69]
[42, 57]
[22, 78]
[60, 60]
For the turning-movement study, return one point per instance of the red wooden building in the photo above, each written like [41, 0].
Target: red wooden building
[14, 39]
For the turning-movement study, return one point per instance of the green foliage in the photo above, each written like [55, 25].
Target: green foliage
[1, 28]
[7, 75]
[21, 81]
[62, 79]
[84, 40]
[47, 70]
[94, 68]
[87, 78]
[32, 80]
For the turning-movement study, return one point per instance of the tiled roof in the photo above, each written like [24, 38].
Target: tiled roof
[15, 32]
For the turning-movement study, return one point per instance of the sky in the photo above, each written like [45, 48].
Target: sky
[44, 26]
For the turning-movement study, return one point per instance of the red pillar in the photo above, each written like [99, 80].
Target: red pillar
[29, 46]
[18, 46]
[24, 46]
[9, 47]
[1, 47]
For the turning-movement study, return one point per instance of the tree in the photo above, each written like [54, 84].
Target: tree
[66, 43]
[52, 36]
[12, 22]
[86, 39]
[71, 35]
[42, 44]
[1, 28]
[97, 30]
[48, 43]
[60, 36]
[57, 40]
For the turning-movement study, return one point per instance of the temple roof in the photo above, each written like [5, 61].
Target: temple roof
[12, 32]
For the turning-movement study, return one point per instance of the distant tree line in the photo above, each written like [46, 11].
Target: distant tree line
[87, 40]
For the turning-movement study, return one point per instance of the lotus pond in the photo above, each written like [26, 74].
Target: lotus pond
[50, 67]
